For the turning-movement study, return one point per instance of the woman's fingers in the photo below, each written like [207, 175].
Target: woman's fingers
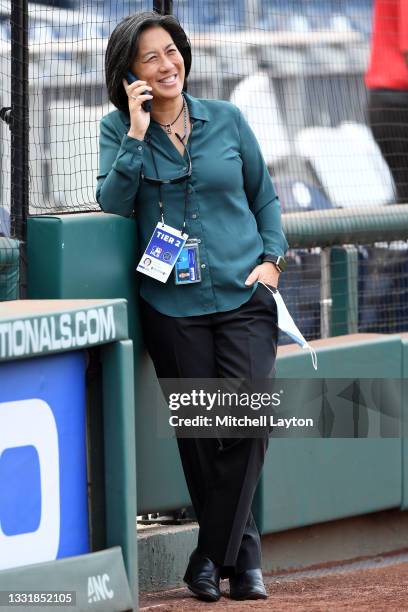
[252, 277]
[264, 273]
[136, 88]
[137, 93]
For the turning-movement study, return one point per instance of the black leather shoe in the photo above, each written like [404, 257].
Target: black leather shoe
[247, 585]
[203, 577]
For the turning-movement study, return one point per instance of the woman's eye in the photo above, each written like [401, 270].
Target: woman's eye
[172, 50]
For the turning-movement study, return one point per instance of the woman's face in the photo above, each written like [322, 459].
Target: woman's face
[160, 63]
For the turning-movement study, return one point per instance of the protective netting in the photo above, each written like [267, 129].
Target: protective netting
[308, 76]
[295, 68]
[367, 287]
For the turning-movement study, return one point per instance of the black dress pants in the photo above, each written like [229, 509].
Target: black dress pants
[221, 475]
[388, 118]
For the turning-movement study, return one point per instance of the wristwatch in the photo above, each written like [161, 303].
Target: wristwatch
[278, 260]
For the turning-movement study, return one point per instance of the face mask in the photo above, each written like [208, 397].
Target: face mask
[287, 324]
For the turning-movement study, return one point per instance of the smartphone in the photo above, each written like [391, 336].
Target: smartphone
[147, 104]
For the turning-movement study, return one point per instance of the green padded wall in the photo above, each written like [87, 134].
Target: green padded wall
[310, 480]
[94, 255]
[120, 486]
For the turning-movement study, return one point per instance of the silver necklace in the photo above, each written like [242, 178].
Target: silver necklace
[185, 113]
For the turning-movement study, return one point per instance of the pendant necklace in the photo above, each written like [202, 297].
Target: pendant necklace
[167, 126]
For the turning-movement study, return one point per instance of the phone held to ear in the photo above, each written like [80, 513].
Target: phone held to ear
[147, 104]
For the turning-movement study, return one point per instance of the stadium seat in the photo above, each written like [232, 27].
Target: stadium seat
[210, 15]
[298, 196]
[301, 15]
[359, 12]
[348, 163]
[256, 98]
[73, 158]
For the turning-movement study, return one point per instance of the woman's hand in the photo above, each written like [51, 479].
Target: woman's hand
[139, 119]
[266, 272]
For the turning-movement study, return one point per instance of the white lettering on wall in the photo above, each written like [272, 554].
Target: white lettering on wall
[53, 333]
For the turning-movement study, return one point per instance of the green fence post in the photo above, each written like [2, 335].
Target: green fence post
[344, 294]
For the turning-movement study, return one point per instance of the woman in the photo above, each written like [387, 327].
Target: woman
[218, 322]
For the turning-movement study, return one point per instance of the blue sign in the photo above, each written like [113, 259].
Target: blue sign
[43, 470]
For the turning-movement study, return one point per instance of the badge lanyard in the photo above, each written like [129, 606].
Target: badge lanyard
[166, 242]
[161, 205]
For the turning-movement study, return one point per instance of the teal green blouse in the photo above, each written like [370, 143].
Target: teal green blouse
[232, 208]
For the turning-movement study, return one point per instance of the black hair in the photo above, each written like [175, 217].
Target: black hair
[123, 45]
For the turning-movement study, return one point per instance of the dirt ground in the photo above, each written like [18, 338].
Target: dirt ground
[362, 590]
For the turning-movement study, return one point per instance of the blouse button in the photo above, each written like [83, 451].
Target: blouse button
[194, 216]
[203, 266]
[139, 148]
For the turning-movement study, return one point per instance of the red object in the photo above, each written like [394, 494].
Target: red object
[387, 68]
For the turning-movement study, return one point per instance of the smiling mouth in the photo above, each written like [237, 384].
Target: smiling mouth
[169, 79]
